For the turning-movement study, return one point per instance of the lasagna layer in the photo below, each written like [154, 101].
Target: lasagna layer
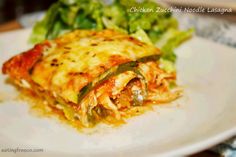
[94, 76]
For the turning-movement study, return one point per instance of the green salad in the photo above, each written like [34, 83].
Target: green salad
[159, 28]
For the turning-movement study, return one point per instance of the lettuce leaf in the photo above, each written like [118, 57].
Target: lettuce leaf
[41, 28]
[170, 40]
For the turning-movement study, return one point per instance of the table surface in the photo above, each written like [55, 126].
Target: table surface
[14, 25]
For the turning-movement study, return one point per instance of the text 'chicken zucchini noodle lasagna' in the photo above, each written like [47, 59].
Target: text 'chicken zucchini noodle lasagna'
[94, 76]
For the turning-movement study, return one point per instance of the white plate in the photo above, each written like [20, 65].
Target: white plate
[204, 116]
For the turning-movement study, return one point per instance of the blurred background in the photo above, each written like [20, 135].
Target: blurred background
[12, 9]
[15, 14]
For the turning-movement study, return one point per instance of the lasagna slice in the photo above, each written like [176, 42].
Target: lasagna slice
[94, 76]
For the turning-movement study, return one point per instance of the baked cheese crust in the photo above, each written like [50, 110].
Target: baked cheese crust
[89, 72]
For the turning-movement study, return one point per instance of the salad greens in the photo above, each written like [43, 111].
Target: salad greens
[158, 28]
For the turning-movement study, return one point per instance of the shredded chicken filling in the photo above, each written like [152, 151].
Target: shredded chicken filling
[120, 94]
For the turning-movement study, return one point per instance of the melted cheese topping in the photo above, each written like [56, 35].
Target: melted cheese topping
[78, 57]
